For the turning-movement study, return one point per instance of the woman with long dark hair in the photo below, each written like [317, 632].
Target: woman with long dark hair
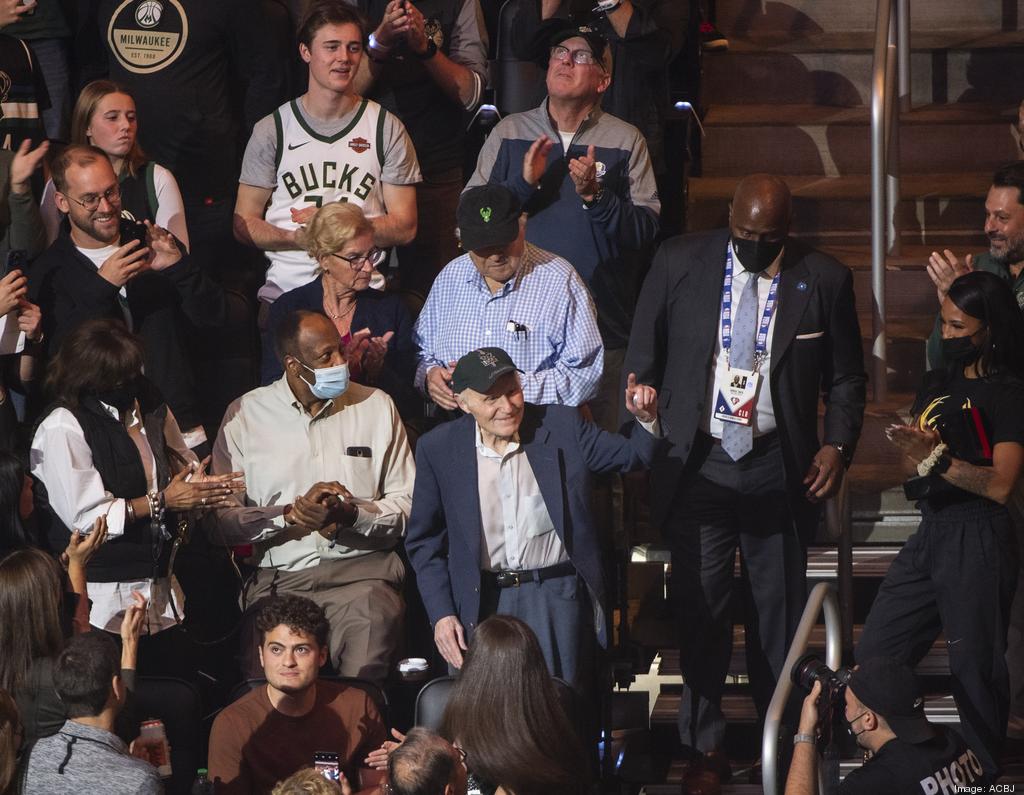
[36, 620]
[111, 447]
[15, 503]
[505, 714]
[957, 573]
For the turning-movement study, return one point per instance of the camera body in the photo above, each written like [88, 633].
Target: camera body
[832, 700]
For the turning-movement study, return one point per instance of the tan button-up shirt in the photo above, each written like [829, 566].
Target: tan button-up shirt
[284, 451]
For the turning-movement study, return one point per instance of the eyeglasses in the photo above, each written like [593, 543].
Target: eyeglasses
[578, 57]
[373, 256]
[91, 201]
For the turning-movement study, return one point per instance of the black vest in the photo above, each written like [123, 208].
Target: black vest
[141, 552]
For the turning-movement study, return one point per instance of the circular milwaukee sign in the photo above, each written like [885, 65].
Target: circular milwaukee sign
[147, 35]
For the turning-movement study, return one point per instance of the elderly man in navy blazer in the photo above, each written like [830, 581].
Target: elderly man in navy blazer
[501, 517]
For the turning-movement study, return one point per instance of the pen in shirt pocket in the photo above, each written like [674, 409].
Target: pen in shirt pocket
[517, 329]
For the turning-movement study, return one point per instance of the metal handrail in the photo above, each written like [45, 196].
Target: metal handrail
[890, 70]
[839, 528]
[822, 598]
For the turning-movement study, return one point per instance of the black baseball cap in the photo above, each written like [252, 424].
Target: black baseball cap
[890, 688]
[479, 369]
[598, 43]
[488, 215]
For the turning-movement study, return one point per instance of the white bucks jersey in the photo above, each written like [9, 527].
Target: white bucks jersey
[313, 169]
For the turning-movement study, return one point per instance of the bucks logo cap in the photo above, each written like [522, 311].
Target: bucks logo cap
[488, 215]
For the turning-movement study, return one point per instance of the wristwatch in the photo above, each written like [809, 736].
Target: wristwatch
[593, 202]
[430, 52]
[844, 452]
[803, 738]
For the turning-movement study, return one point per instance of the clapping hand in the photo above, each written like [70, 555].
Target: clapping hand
[945, 268]
[914, 442]
[394, 25]
[641, 400]
[193, 488]
[583, 171]
[25, 163]
[535, 161]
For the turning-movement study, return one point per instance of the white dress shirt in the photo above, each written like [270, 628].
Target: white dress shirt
[283, 451]
[62, 460]
[518, 533]
[764, 411]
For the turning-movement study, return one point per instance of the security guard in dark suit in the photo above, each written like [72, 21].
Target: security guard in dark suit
[741, 330]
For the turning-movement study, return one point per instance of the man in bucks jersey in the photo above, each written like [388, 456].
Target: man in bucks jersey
[328, 145]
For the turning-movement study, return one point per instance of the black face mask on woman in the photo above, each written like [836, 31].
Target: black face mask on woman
[960, 350]
[756, 255]
[121, 398]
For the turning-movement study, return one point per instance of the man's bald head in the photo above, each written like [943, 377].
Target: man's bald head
[761, 207]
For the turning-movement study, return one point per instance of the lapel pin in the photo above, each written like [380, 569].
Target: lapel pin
[801, 286]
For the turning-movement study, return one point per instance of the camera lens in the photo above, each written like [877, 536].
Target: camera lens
[808, 670]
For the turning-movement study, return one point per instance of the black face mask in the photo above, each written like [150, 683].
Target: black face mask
[121, 398]
[960, 350]
[756, 255]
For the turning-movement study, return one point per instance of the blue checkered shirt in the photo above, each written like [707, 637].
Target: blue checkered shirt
[560, 350]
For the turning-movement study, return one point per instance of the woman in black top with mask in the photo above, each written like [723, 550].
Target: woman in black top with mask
[111, 447]
[957, 573]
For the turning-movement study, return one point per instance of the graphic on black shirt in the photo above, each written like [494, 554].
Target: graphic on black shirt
[147, 36]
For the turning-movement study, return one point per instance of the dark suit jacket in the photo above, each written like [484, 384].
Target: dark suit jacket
[69, 290]
[444, 531]
[816, 351]
[378, 311]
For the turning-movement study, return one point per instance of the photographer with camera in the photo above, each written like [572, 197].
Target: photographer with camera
[883, 709]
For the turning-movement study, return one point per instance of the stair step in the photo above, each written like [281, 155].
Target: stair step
[822, 561]
[818, 139]
[934, 663]
[832, 68]
[739, 708]
[937, 201]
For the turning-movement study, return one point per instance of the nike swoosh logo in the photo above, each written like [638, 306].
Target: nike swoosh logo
[296, 146]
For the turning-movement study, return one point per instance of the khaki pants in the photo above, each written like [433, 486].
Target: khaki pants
[362, 599]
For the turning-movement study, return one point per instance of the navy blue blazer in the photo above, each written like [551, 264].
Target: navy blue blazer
[378, 311]
[444, 532]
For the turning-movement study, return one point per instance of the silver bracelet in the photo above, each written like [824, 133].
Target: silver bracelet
[803, 738]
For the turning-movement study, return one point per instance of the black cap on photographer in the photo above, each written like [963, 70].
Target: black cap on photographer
[889, 688]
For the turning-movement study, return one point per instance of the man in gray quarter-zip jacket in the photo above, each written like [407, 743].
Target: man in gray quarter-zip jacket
[585, 180]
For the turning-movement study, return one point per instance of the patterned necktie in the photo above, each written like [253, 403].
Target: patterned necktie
[738, 440]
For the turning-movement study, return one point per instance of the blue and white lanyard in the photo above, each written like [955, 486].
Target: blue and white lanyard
[761, 342]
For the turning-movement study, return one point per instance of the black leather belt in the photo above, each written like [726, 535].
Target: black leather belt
[513, 579]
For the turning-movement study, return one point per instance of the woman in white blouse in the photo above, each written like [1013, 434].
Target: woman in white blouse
[111, 447]
[104, 116]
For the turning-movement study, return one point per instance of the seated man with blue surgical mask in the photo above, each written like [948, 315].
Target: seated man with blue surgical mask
[328, 491]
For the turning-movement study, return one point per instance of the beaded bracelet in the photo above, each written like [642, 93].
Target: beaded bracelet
[928, 464]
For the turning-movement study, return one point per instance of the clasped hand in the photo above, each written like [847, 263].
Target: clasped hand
[323, 506]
